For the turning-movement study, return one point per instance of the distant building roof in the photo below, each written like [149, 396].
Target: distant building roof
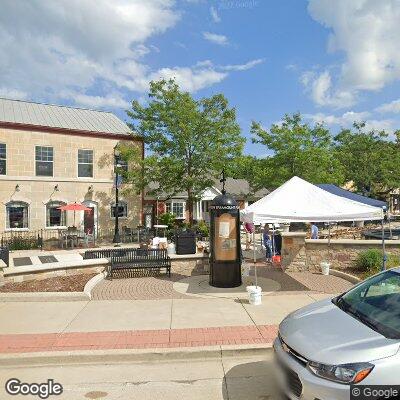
[351, 195]
[239, 188]
[63, 117]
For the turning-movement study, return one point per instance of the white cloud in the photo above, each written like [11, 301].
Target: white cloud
[244, 67]
[48, 47]
[392, 107]
[367, 31]
[347, 119]
[322, 93]
[221, 40]
[12, 93]
[91, 52]
[111, 100]
[214, 14]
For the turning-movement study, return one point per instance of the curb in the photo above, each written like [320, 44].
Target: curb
[351, 278]
[43, 296]
[91, 283]
[132, 355]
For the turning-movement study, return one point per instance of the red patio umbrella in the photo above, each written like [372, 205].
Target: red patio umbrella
[74, 207]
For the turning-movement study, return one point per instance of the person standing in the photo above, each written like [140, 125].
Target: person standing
[267, 240]
[314, 231]
[249, 228]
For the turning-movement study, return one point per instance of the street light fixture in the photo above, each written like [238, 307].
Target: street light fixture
[117, 159]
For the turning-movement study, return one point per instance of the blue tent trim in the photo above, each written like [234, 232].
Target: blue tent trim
[350, 195]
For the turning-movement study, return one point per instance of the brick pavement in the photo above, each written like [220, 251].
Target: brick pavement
[149, 287]
[138, 339]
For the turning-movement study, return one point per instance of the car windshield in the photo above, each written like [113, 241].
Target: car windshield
[375, 303]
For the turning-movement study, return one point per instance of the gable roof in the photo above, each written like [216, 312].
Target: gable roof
[18, 112]
[238, 188]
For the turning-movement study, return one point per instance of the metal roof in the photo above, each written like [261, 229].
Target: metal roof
[351, 195]
[55, 116]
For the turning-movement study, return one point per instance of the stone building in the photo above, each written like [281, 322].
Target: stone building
[53, 155]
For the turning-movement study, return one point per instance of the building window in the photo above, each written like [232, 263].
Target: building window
[3, 159]
[85, 163]
[177, 208]
[44, 161]
[54, 216]
[122, 210]
[17, 213]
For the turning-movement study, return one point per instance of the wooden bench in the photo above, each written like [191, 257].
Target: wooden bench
[133, 259]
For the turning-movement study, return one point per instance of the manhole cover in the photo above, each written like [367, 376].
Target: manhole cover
[95, 395]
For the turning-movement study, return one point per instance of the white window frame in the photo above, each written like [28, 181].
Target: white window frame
[52, 162]
[169, 205]
[77, 166]
[59, 203]
[4, 158]
[7, 214]
[120, 202]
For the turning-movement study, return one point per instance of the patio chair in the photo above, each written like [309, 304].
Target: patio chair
[64, 239]
[127, 234]
[88, 238]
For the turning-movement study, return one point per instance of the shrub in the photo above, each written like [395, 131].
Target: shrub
[167, 219]
[203, 229]
[369, 261]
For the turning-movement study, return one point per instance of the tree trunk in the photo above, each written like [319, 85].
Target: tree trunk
[190, 207]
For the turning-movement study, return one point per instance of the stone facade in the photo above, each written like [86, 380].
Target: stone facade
[342, 252]
[301, 254]
[293, 251]
[37, 191]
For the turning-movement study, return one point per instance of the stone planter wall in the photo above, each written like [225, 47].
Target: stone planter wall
[180, 264]
[301, 254]
[343, 252]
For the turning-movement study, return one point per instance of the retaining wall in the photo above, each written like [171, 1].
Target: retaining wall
[301, 254]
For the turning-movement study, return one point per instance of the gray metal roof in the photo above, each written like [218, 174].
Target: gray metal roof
[55, 116]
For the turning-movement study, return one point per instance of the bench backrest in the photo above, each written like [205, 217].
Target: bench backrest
[139, 255]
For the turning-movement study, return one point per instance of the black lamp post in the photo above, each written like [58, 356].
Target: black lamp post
[117, 158]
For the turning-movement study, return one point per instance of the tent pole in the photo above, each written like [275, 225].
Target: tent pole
[254, 255]
[383, 248]
[329, 241]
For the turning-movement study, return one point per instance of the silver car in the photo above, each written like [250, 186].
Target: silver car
[353, 339]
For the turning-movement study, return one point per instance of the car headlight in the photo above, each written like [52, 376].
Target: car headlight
[346, 373]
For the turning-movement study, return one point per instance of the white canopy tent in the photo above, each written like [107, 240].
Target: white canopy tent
[300, 201]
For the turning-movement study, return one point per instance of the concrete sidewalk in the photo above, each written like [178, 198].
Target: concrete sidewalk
[79, 325]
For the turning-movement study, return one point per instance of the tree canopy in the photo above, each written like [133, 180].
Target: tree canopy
[370, 160]
[296, 148]
[189, 141]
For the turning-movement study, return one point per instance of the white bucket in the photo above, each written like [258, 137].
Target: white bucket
[325, 267]
[171, 248]
[254, 295]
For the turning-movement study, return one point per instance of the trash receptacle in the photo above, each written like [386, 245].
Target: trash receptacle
[185, 242]
[5, 255]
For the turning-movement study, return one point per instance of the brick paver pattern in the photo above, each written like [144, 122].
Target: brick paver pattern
[166, 338]
[161, 287]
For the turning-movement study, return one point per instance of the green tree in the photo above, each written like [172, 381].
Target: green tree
[297, 149]
[371, 161]
[257, 171]
[189, 141]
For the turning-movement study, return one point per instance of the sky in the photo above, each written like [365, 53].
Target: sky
[333, 61]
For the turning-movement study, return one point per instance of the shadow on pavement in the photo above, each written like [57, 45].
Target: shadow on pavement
[251, 381]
